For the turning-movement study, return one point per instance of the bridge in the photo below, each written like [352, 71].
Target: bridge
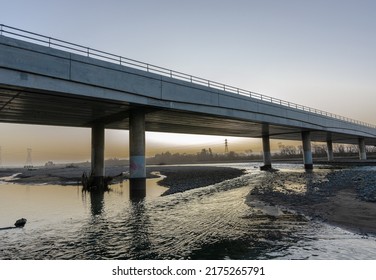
[48, 81]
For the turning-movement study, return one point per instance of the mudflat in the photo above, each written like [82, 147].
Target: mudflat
[178, 178]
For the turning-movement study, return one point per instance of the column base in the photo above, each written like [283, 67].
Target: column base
[266, 167]
[94, 183]
[137, 188]
[308, 166]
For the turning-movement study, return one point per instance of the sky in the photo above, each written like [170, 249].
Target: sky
[316, 53]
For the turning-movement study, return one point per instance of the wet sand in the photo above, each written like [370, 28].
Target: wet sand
[344, 198]
[346, 210]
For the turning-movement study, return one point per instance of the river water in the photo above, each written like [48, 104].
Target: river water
[214, 222]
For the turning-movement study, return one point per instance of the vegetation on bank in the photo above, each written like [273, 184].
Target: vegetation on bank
[285, 152]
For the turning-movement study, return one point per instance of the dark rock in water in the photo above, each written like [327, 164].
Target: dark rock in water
[20, 222]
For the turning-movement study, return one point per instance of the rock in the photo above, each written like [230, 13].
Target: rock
[20, 223]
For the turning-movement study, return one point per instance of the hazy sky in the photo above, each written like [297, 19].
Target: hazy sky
[316, 53]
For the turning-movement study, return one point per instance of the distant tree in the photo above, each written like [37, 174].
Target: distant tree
[319, 149]
[300, 149]
[339, 149]
[287, 151]
[248, 152]
[232, 155]
[210, 153]
[352, 149]
[371, 149]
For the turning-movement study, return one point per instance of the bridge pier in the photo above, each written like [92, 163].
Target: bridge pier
[266, 153]
[97, 155]
[329, 144]
[362, 149]
[137, 166]
[307, 151]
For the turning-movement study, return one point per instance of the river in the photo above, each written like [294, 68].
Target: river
[214, 222]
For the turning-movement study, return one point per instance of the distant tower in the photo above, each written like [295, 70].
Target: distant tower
[226, 146]
[29, 162]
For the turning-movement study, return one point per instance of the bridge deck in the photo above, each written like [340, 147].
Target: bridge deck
[42, 85]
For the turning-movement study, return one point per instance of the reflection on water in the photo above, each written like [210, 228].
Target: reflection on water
[215, 222]
[97, 203]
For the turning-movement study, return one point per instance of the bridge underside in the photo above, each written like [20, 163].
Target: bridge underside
[20, 105]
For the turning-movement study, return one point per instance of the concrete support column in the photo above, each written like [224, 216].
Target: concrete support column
[329, 144]
[362, 149]
[137, 166]
[307, 152]
[266, 153]
[97, 154]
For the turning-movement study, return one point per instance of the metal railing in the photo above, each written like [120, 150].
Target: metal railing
[13, 32]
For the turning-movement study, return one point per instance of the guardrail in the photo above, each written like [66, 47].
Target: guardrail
[13, 32]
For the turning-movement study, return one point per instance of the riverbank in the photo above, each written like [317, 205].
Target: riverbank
[344, 198]
[176, 178]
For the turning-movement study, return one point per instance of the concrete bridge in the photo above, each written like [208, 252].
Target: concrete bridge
[48, 81]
